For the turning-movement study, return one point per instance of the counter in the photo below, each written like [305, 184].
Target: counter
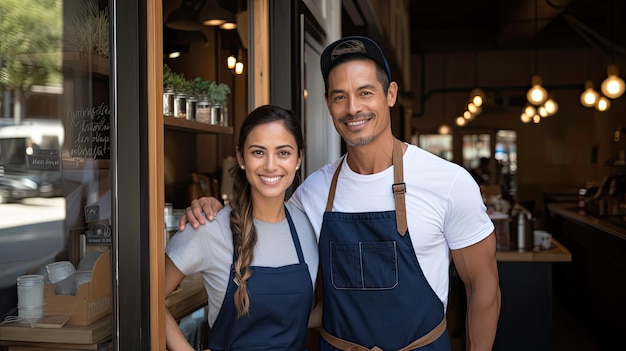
[189, 297]
[558, 253]
[525, 321]
[615, 226]
[593, 284]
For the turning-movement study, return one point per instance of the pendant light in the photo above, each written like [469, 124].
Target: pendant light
[603, 104]
[231, 61]
[536, 95]
[551, 106]
[212, 14]
[589, 97]
[477, 95]
[239, 68]
[443, 128]
[613, 86]
[460, 121]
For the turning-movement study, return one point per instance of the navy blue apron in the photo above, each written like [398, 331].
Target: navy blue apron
[375, 293]
[280, 304]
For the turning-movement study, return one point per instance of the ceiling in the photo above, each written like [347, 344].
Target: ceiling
[458, 25]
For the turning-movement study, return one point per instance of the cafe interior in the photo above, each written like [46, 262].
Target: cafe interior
[527, 95]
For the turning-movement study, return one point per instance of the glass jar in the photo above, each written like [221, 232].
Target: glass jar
[224, 120]
[180, 105]
[168, 102]
[192, 102]
[30, 292]
[203, 109]
[216, 114]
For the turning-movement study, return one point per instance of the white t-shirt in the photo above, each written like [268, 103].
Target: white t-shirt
[209, 250]
[444, 206]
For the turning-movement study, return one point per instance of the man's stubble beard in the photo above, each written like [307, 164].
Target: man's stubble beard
[359, 141]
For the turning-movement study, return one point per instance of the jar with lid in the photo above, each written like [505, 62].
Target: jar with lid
[224, 119]
[168, 102]
[192, 102]
[180, 105]
[30, 296]
[216, 114]
[203, 109]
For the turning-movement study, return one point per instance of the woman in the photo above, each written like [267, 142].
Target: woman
[258, 271]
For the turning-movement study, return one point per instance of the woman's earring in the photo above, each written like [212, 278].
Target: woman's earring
[242, 167]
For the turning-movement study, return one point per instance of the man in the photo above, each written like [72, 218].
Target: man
[388, 216]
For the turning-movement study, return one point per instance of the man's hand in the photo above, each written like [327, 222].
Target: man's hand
[195, 214]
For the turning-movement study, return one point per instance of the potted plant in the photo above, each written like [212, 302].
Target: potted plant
[168, 77]
[219, 98]
[204, 90]
[168, 91]
[219, 94]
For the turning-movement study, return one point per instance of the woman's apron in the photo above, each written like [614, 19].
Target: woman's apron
[280, 304]
[375, 294]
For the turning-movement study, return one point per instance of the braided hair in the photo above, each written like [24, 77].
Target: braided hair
[241, 218]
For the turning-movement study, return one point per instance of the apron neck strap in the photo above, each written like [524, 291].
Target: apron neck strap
[398, 187]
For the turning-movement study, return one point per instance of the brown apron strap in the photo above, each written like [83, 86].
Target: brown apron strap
[333, 187]
[399, 187]
[427, 339]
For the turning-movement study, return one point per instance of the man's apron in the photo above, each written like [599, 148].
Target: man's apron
[280, 304]
[375, 294]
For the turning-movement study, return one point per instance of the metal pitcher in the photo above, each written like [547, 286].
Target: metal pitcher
[521, 230]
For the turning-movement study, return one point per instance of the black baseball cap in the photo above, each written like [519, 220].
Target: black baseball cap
[352, 45]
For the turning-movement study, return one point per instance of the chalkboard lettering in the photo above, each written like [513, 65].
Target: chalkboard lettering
[91, 132]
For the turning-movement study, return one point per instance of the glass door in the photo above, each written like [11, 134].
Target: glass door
[56, 142]
[73, 207]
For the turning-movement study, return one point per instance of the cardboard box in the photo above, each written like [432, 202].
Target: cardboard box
[92, 301]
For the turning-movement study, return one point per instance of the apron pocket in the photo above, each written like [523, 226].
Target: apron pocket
[363, 265]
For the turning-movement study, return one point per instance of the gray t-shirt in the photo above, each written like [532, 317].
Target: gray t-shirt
[209, 250]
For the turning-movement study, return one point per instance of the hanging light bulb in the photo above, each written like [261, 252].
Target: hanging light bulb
[529, 110]
[444, 129]
[477, 97]
[468, 115]
[613, 86]
[603, 104]
[589, 97]
[471, 107]
[542, 112]
[551, 106]
[231, 61]
[524, 117]
[239, 68]
[536, 95]
[461, 121]
[536, 119]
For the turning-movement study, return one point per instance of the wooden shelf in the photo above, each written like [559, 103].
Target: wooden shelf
[189, 297]
[94, 333]
[184, 125]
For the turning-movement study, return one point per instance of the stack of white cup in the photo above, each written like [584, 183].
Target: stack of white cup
[61, 274]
